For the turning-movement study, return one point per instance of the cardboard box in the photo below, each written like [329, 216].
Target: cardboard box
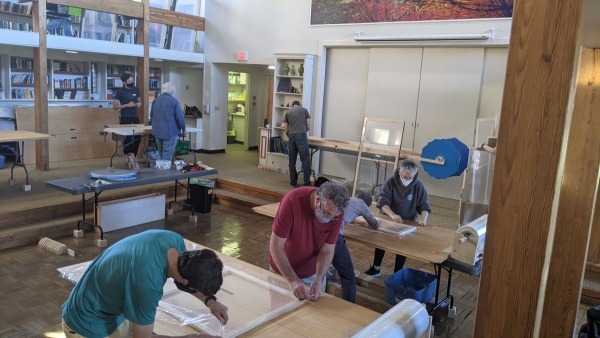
[364, 297]
[376, 284]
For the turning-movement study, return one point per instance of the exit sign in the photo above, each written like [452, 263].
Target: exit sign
[242, 56]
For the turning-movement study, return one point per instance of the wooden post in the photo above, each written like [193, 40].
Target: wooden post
[143, 67]
[594, 245]
[537, 232]
[40, 57]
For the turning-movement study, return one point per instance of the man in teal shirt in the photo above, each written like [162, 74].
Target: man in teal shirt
[119, 292]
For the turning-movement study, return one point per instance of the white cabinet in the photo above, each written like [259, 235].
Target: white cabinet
[294, 81]
[435, 90]
[195, 138]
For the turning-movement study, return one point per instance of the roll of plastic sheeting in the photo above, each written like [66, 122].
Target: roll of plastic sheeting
[407, 319]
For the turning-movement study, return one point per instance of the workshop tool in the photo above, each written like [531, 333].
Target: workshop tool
[454, 153]
[469, 240]
[52, 246]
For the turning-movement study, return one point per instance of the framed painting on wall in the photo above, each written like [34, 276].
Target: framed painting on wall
[331, 12]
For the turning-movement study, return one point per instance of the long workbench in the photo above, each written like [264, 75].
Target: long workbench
[84, 184]
[122, 131]
[327, 317]
[430, 244]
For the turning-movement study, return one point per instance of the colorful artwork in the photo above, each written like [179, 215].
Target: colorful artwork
[327, 12]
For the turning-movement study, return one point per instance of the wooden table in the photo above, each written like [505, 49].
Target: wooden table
[429, 244]
[84, 184]
[20, 136]
[327, 317]
[121, 131]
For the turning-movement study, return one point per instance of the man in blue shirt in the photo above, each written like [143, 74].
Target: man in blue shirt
[167, 121]
[119, 292]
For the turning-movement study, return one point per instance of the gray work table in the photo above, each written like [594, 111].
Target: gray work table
[84, 184]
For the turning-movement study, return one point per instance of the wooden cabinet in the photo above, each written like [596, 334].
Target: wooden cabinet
[75, 132]
[294, 81]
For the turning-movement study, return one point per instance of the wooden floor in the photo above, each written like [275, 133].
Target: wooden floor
[31, 292]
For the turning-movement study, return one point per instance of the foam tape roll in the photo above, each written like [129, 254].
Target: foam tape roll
[407, 319]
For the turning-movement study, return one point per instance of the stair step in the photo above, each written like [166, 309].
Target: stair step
[590, 290]
[249, 191]
[236, 200]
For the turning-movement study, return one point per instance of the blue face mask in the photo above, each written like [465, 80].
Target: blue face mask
[321, 216]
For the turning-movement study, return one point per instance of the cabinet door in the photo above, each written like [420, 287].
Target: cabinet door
[393, 87]
[448, 101]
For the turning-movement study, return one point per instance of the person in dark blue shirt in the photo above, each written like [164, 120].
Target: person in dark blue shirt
[168, 122]
[127, 99]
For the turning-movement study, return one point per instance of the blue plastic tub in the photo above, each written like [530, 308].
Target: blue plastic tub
[410, 283]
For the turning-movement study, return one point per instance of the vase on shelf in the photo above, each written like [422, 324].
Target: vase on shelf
[286, 69]
[293, 71]
[301, 69]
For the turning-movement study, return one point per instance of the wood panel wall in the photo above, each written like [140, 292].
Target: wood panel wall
[541, 204]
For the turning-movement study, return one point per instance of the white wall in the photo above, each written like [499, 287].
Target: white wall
[265, 27]
[188, 82]
[274, 26]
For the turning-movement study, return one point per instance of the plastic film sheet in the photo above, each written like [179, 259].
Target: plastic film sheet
[408, 319]
[252, 297]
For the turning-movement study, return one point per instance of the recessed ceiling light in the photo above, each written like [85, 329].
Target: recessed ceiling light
[159, 60]
[71, 51]
[270, 67]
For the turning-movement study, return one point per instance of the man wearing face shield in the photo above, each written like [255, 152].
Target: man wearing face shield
[119, 292]
[402, 197]
[304, 234]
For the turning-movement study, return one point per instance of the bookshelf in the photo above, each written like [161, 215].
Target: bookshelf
[125, 29]
[154, 82]
[113, 78]
[294, 76]
[70, 80]
[21, 78]
[15, 16]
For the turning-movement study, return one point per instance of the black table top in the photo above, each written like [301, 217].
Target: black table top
[84, 184]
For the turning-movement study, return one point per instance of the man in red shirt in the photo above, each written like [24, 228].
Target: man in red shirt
[304, 234]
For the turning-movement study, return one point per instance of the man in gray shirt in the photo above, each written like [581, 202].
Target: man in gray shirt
[297, 124]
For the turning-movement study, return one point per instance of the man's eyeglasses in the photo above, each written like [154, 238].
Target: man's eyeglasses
[328, 213]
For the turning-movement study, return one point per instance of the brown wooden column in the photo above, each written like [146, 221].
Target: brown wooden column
[143, 63]
[594, 246]
[577, 201]
[540, 207]
[40, 66]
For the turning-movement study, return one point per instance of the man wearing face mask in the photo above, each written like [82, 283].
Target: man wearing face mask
[402, 197]
[119, 292]
[304, 234]
[127, 99]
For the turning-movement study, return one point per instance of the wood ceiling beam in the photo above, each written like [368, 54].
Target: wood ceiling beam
[176, 19]
[122, 7]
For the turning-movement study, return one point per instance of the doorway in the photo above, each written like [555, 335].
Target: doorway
[237, 110]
